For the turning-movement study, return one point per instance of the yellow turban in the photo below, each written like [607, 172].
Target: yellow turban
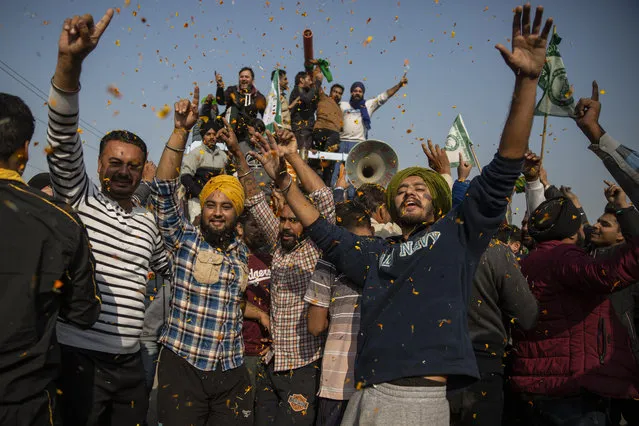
[229, 186]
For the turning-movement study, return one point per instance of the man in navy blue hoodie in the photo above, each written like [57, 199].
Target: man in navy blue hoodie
[414, 342]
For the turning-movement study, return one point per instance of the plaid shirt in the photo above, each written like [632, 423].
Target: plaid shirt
[293, 346]
[205, 320]
[622, 163]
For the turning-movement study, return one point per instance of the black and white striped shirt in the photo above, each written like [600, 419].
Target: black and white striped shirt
[126, 245]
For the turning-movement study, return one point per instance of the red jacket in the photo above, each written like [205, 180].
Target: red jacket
[578, 342]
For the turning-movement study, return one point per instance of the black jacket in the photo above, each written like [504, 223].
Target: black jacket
[242, 108]
[625, 302]
[303, 114]
[46, 270]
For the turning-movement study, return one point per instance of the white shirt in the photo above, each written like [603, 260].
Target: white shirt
[354, 129]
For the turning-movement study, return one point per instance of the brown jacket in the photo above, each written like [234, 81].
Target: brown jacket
[329, 114]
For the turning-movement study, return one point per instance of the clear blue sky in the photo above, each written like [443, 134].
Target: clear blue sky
[157, 61]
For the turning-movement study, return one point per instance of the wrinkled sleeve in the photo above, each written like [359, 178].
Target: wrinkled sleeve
[484, 207]
[376, 102]
[65, 157]
[515, 298]
[318, 292]
[534, 195]
[459, 191]
[580, 271]
[324, 203]
[169, 214]
[351, 255]
[622, 163]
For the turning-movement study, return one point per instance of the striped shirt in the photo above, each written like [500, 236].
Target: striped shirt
[205, 320]
[126, 245]
[334, 291]
[293, 346]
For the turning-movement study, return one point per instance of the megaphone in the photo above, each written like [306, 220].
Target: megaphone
[371, 161]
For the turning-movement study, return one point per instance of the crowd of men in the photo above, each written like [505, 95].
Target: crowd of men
[305, 301]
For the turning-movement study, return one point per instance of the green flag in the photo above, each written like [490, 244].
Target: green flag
[273, 112]
[458, 141]
[557, 99]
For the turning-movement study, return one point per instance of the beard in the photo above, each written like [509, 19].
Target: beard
[413, 220]
[290, 244]
[256, 243]
[218, 238]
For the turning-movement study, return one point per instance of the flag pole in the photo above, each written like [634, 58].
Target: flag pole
[543, 134]
[543, 138]
[472, 150]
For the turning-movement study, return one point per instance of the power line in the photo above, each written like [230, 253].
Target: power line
[46, 124]
[42, 95]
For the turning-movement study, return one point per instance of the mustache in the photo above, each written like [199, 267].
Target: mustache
[287, 234]
[121, 178]
[412, 200]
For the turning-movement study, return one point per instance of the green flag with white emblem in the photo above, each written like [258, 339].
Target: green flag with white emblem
[458, 141]
[557, 99]
[273, 111]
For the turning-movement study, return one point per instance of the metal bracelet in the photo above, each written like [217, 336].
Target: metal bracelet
[285, 190]
[245, 174]
[179, 151]
[69, 92]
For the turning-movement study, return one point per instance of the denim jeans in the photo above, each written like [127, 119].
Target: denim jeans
[344, 147]
[150, 350]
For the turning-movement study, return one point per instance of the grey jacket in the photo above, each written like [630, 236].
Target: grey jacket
[500, 297]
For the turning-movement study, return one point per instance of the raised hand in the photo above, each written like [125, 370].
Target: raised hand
[187, 113]
[269, 155]
[528, 54]
[463, 169]
[437, 158]
[219, 80]
[287, 142]
[341, 181]
[567, 192]
[227, 135]
[404, 80]
[615, 195]
[532, 166]
[80, 35]
[148, 173]
[587, 115]
[78, 38]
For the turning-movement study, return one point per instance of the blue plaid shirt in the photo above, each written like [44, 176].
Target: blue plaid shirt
[622, 163]
[205, 320]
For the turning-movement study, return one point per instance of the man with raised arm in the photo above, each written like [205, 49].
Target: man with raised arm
[414, 342]
[621, 161]
[201, 373]
[288, 392]
[357, 115]
[102, 378]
